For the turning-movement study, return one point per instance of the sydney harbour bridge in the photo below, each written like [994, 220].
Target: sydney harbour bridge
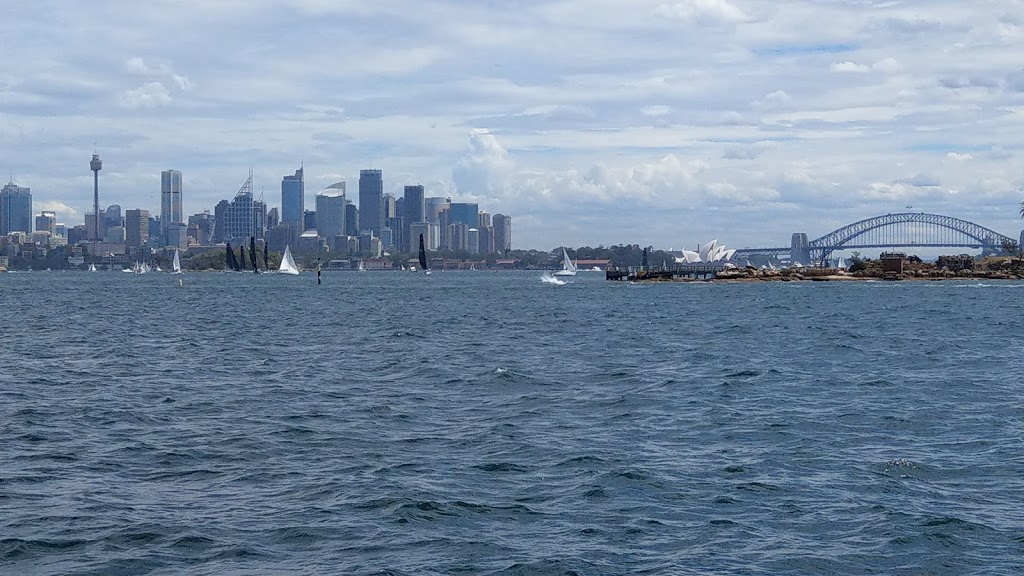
[903, 230]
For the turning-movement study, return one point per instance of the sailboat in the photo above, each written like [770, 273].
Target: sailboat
[568, 267]
[361, 267]
[92, 267]
[176, 263]
[423, 257]
[288, 263]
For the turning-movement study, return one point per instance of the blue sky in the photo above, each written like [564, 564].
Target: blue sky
[643, 121]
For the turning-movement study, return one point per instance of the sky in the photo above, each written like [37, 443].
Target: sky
[652, 122]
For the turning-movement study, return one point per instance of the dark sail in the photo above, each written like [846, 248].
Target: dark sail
[423, 255]
[644, 263]
[266, 256]
[241, 257]
[252, 253]
[232, 262]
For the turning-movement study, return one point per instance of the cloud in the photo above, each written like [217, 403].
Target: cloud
[702, 12]
[62, 210]
[885, 65]
[959, 157]
[149, 95]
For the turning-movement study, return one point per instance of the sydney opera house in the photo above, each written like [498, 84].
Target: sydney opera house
[710, 253]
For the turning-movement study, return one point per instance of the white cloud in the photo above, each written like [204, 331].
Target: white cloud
[849, 67]
[959, 157]
[62, 210]
[702, 12]
[149, 95]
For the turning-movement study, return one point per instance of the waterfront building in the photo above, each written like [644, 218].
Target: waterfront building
[170, 199]
[415, 206]
[136, 228]
[47, 222]
[371, 200]
[293, 197]
[502, 233]
[330, 211]
[15, 209]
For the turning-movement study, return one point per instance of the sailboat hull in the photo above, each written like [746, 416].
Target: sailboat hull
[565, 273]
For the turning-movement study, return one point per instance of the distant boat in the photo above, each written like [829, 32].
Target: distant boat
[288, 263]
[361, 267]
[423, 257]
[568, 267]
[176, 263]
[842, 264]
[92, 267]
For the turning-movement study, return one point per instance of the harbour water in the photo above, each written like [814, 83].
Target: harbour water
[491, 423]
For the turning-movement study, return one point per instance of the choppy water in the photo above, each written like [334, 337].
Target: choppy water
[490, 423]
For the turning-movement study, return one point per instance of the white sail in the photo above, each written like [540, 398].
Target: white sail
[92, 267]
[176, 264]
[288, 263]
[568, 267]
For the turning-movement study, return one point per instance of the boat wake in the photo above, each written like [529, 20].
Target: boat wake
[549, 279]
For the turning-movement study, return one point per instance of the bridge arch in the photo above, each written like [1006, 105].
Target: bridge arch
[917, 229]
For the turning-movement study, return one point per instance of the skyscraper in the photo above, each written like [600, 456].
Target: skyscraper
[47, 222]
[293, 197]
[502, 232]
[466, 213]
[414, 214]
[434, 206]
[371, 201]
[170, 199]
[15, 209]
[136, 228]
[330, 212]
[390, 207]
[351, 219]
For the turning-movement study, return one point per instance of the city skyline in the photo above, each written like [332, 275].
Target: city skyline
[655, 122]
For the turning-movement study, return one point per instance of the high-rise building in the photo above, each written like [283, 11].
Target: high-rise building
[371, 201]
[433, 207]
[390, 207]
[47, 222]
[15, 209]
[397, 229]
[351, 219]
[483, 219]
[502, 233]
[473, 241]
[414, 214]
[309, 220]
[170, 199]
[487, 240]
[273, 217]
[111, 217]
[466, 213]
[240, 216]
[293, 197]
[414, 235]
[330, 211]
[201, 227]
[136, 228]
[219, 222]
